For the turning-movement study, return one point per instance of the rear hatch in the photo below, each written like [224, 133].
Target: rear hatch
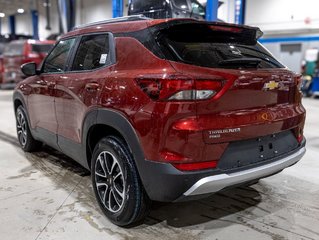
[257, 95]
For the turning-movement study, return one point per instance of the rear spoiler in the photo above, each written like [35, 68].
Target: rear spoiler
[254, 33]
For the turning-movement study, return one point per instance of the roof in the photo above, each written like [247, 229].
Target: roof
[116, 25]
[136, 23]
[32, 41]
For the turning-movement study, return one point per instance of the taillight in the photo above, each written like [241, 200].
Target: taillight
[178, 87]
[300, 138]
[195, 166]
[167, 156]
[298, 81]
[1, 66]
[178, 161]
[297, 89]
[299, 134]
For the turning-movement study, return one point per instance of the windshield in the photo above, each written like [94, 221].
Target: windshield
[205, 46]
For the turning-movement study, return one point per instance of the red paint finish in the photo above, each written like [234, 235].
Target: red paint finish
[169, 131]
[1, 69]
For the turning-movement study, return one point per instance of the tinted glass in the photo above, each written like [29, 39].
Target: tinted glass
[56, 60]
[41, 48]
[92, 53]
[137, 6]
[197, 8]
[202, 46]
[182, 4]
[14, 49]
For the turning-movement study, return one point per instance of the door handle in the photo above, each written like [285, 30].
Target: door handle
[92, 87]
[51, 85]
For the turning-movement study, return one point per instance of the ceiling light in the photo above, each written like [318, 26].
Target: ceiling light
[2, 15]
[20, 10]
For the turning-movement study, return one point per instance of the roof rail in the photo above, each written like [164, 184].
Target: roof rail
[114, 20]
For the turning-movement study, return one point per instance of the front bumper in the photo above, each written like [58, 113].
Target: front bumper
[218, 182]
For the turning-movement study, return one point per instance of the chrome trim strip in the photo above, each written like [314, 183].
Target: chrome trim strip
[218, 182]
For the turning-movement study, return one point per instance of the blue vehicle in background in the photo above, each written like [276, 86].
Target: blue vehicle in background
[310, 72]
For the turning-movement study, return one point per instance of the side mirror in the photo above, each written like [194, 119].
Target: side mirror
[29, 69]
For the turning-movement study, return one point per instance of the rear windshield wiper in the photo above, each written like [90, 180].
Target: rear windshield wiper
[241, 61]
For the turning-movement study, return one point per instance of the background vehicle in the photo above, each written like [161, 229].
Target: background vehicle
[310, 67]
[167, 9]
[163, 110]
[19, 52]
[3, 42]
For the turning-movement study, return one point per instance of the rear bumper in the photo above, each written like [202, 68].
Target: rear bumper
[165, 183]
[218, 182]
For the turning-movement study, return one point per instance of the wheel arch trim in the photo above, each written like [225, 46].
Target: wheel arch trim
[117, 121]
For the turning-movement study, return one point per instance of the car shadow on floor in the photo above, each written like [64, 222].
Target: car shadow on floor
[216, 207]
[210, 209]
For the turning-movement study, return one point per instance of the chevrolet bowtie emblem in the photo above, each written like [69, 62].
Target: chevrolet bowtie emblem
[270, 85]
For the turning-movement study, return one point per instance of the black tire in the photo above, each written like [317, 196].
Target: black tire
[121, 197]
[25, 138]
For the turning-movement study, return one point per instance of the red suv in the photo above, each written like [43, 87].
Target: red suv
[19, 52]
[164, 110]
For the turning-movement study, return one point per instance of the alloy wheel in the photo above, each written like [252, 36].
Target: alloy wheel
[109, 180]
[21, 128]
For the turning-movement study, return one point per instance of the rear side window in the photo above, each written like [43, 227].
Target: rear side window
[222, 47]
[14, 49]
[93, 53]
[57, 59]
[41, 48]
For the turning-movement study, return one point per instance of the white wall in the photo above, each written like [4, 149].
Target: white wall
[226, 12]
[54, 19]
[92, 11]
[87, 11]
[276, 15]
[24, 21]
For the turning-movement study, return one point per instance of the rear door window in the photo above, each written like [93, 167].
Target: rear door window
[57, 59]
[92, 53]
[215, 47]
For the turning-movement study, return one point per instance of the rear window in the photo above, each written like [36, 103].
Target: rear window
[14, 49]
[215, 47]
[138, 6]
[41, 48]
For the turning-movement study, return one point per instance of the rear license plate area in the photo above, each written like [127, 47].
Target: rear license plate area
[249, 152]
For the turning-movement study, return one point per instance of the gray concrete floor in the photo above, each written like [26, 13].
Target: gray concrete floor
[46, 195]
